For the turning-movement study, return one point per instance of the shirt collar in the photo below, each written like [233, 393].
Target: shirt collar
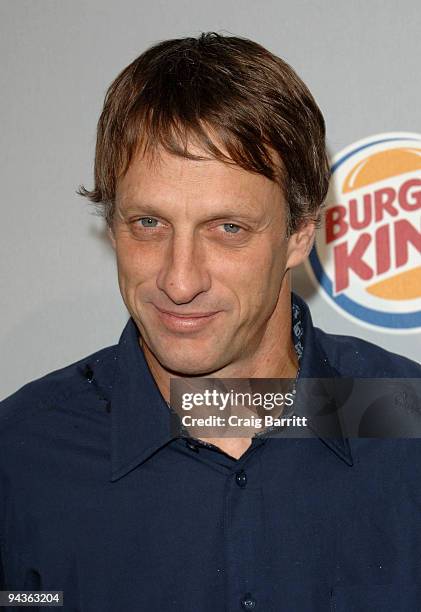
[141, 419]
[314, 364]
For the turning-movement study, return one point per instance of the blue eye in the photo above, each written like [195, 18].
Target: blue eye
[232, 228]
[149, 222]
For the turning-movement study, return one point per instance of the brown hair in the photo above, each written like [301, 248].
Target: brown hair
[229, 86]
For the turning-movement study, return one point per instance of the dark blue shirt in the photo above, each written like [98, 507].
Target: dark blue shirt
[100, 500]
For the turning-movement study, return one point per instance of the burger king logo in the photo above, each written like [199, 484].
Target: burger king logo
[366, 256]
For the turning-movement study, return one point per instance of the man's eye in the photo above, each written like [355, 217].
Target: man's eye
[147, 222]
[231, 228]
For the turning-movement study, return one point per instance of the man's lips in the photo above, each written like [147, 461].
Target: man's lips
[190, 321]
[188, 315]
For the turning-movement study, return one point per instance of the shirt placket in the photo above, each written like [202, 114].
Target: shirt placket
[243, 532]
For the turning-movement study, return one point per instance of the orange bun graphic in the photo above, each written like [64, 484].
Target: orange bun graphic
[382, 165]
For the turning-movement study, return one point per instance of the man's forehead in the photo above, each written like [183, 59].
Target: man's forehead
[177, 174]
[160, 162]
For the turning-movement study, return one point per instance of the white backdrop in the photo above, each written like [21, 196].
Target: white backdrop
[60, 297]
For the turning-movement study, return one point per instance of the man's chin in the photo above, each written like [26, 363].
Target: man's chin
[191, 367]
[188, 357]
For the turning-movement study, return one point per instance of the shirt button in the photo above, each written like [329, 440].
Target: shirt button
[241, 479]
[248, 603]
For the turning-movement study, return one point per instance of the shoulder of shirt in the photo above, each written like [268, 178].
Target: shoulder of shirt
[59, 386]
[355, 357]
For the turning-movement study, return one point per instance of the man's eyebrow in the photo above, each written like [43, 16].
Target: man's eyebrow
[131, 206]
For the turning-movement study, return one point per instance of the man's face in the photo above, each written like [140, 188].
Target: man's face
[204, 240]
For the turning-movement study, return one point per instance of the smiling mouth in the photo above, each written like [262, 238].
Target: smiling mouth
[189, 315]
[187, 321]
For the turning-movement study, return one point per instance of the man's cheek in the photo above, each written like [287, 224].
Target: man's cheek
[132, 268]
[265, 296]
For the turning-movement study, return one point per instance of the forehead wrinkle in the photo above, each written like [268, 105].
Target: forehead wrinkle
[155, 156]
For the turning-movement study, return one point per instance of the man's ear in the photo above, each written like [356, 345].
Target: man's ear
[300, 244]
[111, 236]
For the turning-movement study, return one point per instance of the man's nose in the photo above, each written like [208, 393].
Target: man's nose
[183, 274]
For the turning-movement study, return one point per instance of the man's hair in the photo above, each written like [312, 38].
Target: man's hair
[209, 90]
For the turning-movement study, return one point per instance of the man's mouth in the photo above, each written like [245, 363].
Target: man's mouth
[190, 321]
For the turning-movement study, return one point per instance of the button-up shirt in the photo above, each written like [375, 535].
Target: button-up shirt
[100, 499]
